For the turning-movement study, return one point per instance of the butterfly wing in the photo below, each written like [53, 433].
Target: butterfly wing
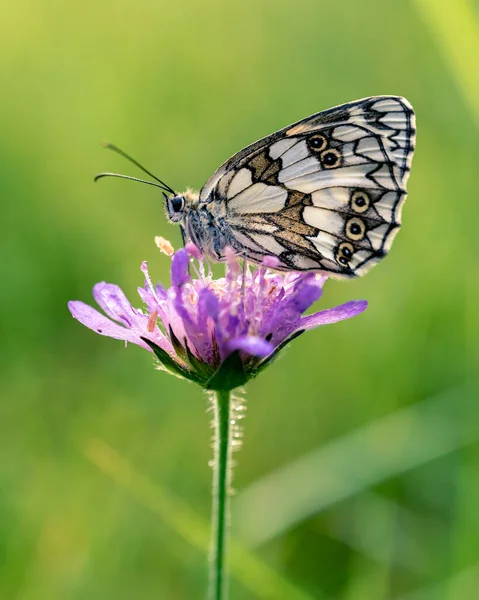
[325, 193]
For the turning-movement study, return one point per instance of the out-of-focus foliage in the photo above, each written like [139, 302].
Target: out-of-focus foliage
[359, 475]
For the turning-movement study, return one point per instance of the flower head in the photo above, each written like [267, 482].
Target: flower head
[216, 332]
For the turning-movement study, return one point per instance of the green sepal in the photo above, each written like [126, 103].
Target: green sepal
[177, 345]
[169, 364]
[230, 374]
[256, 369]
[203, 369]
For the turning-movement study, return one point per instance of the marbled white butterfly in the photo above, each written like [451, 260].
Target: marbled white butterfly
[324, 194]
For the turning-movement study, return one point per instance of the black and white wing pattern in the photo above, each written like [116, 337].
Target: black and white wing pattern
[325, 193]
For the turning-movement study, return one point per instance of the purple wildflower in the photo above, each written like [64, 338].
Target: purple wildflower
[201, 324]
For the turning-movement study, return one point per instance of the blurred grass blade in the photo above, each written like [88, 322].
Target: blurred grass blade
[455, 25]
[382, 516]
[461, 586]
[348, 465]
[255, 575]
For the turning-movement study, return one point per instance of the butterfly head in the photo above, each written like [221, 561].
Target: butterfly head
[175, 207]
[178, 205]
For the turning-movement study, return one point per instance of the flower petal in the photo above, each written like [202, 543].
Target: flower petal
[200, 329]
[271, 261]
[306, 295]
[193, 251]
[161, 292]
[148, 299]
[284, 316]
[98, 323]
[250, 344]
[208, 305]
[179, 268]
[111, 299]
[333, 315]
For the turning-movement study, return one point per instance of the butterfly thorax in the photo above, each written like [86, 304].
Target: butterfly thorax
[204, 224]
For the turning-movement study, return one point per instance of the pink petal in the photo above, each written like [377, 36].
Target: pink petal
[333, 315]
[179, 268]
[98, 323]
[111, 299]
[255, 346]
[193, 251]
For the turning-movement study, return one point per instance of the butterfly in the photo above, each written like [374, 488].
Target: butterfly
[324, 194]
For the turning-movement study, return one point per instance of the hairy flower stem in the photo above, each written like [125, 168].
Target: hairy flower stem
[224, 426]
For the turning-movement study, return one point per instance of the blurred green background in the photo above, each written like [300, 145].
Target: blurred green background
[359, 476]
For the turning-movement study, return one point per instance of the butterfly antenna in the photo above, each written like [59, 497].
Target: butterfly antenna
[100, 175]
[135, 162]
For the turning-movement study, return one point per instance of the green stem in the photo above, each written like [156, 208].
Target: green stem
[221, 485]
